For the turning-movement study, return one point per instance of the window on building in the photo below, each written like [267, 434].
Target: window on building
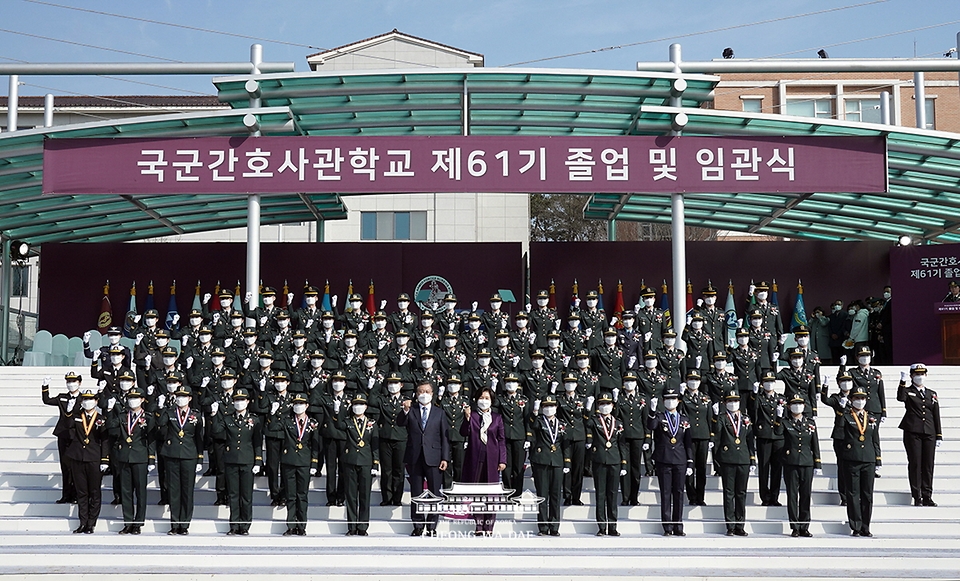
[393, 225]
[819, 108]
[21, 281]
[752, 104]
[863, 110]
[930, 108]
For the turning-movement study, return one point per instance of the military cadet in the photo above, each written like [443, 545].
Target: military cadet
[280, 340]
[542, 319]
[145, 335]
[307, 318]
[401, 359]
[718, 380]
[608, 362]
[547, 434]
[326, 339]
[265, 317]
[299, 460]
[452, 358]
[673, 455]
[605, 439]
[801, 460]
[651, 321]
[243, 433]
[164, 402]
[652, 383]
[593, 317]
[574, 338]
[392, 438]
[428, 370]
[772, 323]
[766, 409]
[135, 454]
[840, 403]
[181, 447]
[102, 354]
[318, 376]
[503, 358]
[348, 355]
[218, 319]
[555, 360]
[232, 332]
[277, 404]
[243, 357]
[425, 337]
[798, 379]
[700, 350]
[148, 360]
[448, 319]
[762, 341]
[216, 444]
[110, 373]
[67, 407]
[170, 363]
[746, 364]
[922, 434]
[811, 359]
[116, 384]
[871, 380]
[297, 361]
[861, 459]
[367, 378]
[734, 448]
[483, 375]
[631, 410]
[513, 407]
[573, 411]
[403, 318]
[473, 339]
[88, 452]
[630, 341]
[379, 339]
[698, 410]
[536, 381]
[670, 360]
[326, 408]
[495, 319]
[714, 319]
[360, 463]
[188, 334]
[453, 402]
[588, 382]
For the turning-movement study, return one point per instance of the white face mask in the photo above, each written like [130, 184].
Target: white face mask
[693, 384]
[803, 341]
[628, 322]
[671, 404]
[283, 323]
[268, 301]
[393, 388]
[401, 341]
[483, 361]
[743, 340]
[670, 341]
[115, 339]
[316, 363]
[846, 386]
[218, 360]
[709, 300]
[796, 362]
[852, 312]
[240, 405]
[549, 411]
[537, 363]
[236, 322]
[426, 322]
[583, 363]
[172, 387]
[574, 323]
[553, 343]
[427, 362]
[474, 325]
[648, 302]
[227, 384]
[886, 295]
[299, 408]
[359, 409]
[542, 302]
[611, 341]
[859, 403]
[88, 404]
[768, 386]
[424, 398]
[225, 304]
[512, 386]
[195, 321]
[864, 360]
[151, 322]
[264, 362]
[733, 406]
[605, 409]
[327, 323]
[451, 306]
[73, 386]
[495, 305]
[182, 401]
[162, 341]
[756, 322]
[484, 403]
[369, 363]
[298, 343]
[917, 380]
[503, 341]
[453, 388]
[281, 386]
[796, 408]
[650, 363]
[350, 341]
[311, 301]
[697, 325]
[630, 385]
[762, 295]
[338, 386]
[205, 338]
[402, 305]
[126, 385]
[116, 359]
[134, 403]
[591, 303]
[569, 387]
[380, 324]
[719, 365]
[355, 305]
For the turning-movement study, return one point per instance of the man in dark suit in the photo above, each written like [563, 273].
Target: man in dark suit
[921, 432]
[427, 453]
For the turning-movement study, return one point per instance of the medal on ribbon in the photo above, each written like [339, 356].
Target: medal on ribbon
[673, 425]
[736, 425]
[132, 420]
[862, 426]
[552, 432]
[182, 420]
[607, 432]
[361, 428]
[88, 426]
[301, 428]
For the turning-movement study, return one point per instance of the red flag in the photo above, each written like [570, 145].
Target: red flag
[215, 302]
[552, 303]
[371, 302]
[618, 305]
[105, 320]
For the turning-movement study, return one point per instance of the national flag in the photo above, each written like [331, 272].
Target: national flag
[575, 297]
[283, 299]
[215, 302]
[731, 312]
[237, 299]
[325, 304]
[799, 311]
[150, 304]
[665, 304]
[172, 306]
[129, 324]
[599, 295]
[196, 298]
[618, 305]
[552, 302]
[773, 294]
[371, 301]
[106, 311]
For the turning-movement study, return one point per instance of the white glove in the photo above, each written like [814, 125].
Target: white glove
[86, 338]
[274, 407]
[214, 407]
[263, 320]
[904, 376]
[227, 342]
[528, 307]
[428, 341]
[189, 359]
[623, 472]
[381, 344]
[262, 384]
[493, 384]
[461, 359]
[515, 360]
[590, 400]
[825, 380]
[204, 382]
[370, 382]
[883, 419]
[647, 336]
[556, 324]
[474, 305]
[256, 470]
[553, 389]
[751, 289]
[246, 363]
[403, 359]
[206, 298]
[699, 303]
[216, 317]
[375, 471]
[100, 385]
[753, 470]
[566, 470]
[137, 318]
[876, 470]
[466, 443]
[566, 360]
[73, 402]
[710, 446]
[776, 355]
[843, 402]
[716, 408]
[139, 338]
[613, 321]
[247, 297]
[653, 402]
[646, 445]
[336, 406]
[818, 472]
[756, 387]
[147, 359]
[360, 326]
[104, 468]
[843, 360]
[151, 467]
[698, 361]
[526, 445]
[576, 302]
[314, 382]
[295, 359]
[277, 339]
[632, 361]
[289, 298]
[589, 445]
[349, 359]
[536, 408]
[313, 472]
[588, 333]
[199, 467]
[184, 340]
[939, 442]
[333, 300]
[783, 339]
[689, 319]
[689, 471]
[780, 411]
[533, 338]
[616, 394]
[161, 400]
[110, 403]
[383, 305]
[45, 382]
[175, 319]
[408, 319]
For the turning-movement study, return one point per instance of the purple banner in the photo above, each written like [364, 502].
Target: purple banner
[409, 164]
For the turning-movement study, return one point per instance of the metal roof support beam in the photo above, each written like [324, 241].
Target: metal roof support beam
[141, 68]
[12, 105]
[778, 212]
[146, 210]
[253, 200]
[807, 66]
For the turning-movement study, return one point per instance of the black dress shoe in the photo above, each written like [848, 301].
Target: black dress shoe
[63, 500]
[231, 532]
[855, 534]
[417, 532]
[667, 533]
[795, 533]
[775, 503]
[79, 530]
[385, 503]
[729, 533]
[613, 533]
[351, 532]
[301, 532]
[116, 501]
[88, 530]
[134, 530]
[243, 533]
[917, 502]
[209, 472]
[578, 503]
[430, 533]
[554, 533]
[567, 503]
[806, 533]
[539, 533]
[741, 533]
[929, 502]
[600, 533]
[173, 531]
[362, 533]
[764, 503]
[292, 532]
[125, 530]
[865, 533]
[183, 531]
[679, 533]
[331, 503]
[339, 503]
[164, 501]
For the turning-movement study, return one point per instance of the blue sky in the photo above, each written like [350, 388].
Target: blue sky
[506, 32]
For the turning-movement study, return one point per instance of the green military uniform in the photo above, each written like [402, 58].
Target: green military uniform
[840, 404]
[513, 409]
[608, 362]
[573, 412]
[698, 409]
[536, 382]
[799, 380]
[299, 459]
[766, 409]
[861, 457]
[276, 405]
[135, 452]
[547, 436]
[180, 432]
[393, 441]
[632, 411]
[734, 448]
[359, 459]
[326, 409]
[605, 435]
[88, 452]
[453, 405]
[66, 403]
[242, 432]
[800, 458]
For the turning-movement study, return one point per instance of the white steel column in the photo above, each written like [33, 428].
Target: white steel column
[48, 110]
[885, 107]
[678, 229]
[13, 102]
[253, 204]
[920, 96]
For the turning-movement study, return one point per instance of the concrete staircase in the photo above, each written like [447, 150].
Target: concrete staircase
[910, 541]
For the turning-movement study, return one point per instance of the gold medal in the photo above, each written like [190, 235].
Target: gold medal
[609, 444]
[86, 440]
[180, 433]
[129, 440]
[737, 441]
[673, 440]
[553, 448]
[361, 443]
[299, 446]
[862, 438]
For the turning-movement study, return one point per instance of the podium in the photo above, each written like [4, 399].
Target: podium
[949, 331]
